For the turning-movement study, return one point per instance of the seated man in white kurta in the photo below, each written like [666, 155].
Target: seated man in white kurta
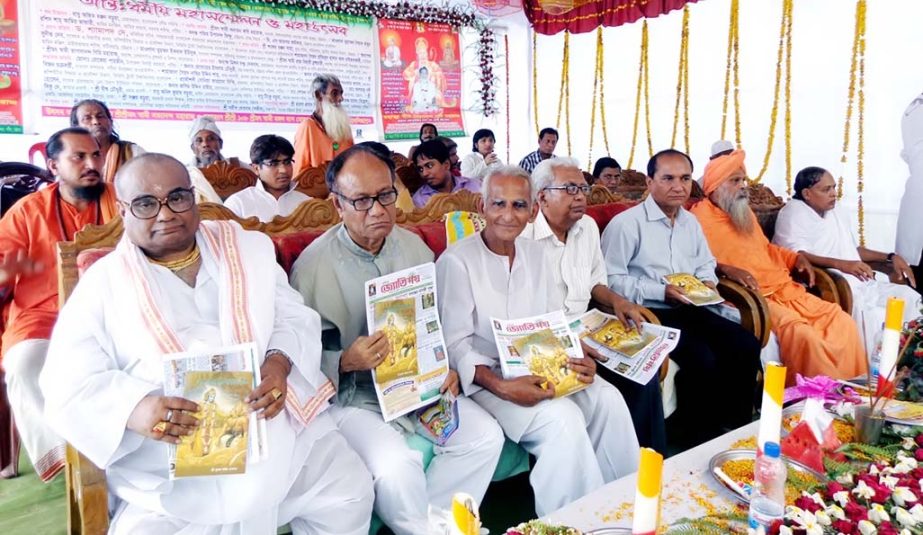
[812, 224]
[176, 283]
[274, 193]
[581, 441]
[331, 274]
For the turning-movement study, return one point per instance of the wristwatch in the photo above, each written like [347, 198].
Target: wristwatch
[890, 258]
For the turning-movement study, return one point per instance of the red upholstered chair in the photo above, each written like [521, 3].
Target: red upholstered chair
[38, 148]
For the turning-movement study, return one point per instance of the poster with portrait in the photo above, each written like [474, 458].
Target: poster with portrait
[420, 78]
[10, 76]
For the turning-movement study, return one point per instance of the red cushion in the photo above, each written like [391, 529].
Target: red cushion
[88, 257]
[289, 246]
[603, 213]
[433, 235]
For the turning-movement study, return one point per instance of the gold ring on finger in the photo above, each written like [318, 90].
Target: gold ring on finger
[275, 393]
[160, 427]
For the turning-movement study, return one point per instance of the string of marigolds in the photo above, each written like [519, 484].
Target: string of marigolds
[642, 81]
[599, 78]
[506, 89]
[564, 94]
[535, 81]
[732, 65]
[857, 63]
[682, 82]
[785, 41]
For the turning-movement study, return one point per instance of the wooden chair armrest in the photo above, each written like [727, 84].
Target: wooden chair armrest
[824, 287]
[754, 312]
[843, 291]
[87, 496]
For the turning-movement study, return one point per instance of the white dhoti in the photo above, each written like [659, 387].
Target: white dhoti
[331, 494]
[580, 442]
[22, 366]
[402, 490]
[869, 299]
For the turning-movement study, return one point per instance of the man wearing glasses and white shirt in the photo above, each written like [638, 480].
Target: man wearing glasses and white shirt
[331, 274]
[274, 194]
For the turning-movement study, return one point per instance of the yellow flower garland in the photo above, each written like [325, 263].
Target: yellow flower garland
[857, 62]
[682, 82]
[785, 43]
[564, 95]
[732, 64]
[535, 81]
[599, 78]
[642, 79]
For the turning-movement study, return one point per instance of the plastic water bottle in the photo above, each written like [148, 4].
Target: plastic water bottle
[767, 501]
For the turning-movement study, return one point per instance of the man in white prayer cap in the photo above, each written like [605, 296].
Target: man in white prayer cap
[206, 144]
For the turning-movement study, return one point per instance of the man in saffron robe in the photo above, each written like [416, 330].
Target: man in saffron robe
[815, 337]
[29, 233]
[326, 133]
[95, 116]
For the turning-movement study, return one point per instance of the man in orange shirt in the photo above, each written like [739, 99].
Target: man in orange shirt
[29, 233]
[326, 133]
[815, 337]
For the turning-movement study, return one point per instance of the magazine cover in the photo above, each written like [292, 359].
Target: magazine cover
[635, 354]
[695, 291]
[437, 422]
[219, 445]
[398, 320]
[191, 370]
[539, 345]
[404, 306]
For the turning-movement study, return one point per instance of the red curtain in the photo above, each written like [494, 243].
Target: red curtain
[587, 16]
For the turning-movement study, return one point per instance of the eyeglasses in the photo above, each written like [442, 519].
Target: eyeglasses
[147, 206]
[572, 189]
[277, 163]
[364, 204]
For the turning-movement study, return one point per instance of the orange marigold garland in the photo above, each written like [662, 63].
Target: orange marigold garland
[785, 41]
[599, 78]
[642, 80]
[682, 82]
[564, 95]
[857, 63]
[732, 66]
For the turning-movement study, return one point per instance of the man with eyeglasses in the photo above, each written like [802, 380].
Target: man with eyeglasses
[570, 239]
[29, 233]
[331, 275]
[580, 441]
[656, 238]
[274, 194]
[176, 283]
[433, 164]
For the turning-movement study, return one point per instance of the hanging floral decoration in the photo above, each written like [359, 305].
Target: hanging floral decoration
[564, 95]
[599, 82]
[732, 66]
[506, 90]
[642, 84]
[782, 60]
[535, 81]
[682, 83]
[857, 63]
[455, 15]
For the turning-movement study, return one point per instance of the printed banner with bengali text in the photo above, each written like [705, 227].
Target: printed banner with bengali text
[420, 78]
[10, 76]
[169, 60]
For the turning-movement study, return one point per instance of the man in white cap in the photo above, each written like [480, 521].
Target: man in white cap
[206, 144]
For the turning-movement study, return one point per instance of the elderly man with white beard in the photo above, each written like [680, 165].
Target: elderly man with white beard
[326, 133]
[815, 337]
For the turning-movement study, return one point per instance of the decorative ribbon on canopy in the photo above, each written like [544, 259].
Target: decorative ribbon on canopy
[580, 16]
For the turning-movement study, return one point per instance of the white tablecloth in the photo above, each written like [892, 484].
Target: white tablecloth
[688, 490]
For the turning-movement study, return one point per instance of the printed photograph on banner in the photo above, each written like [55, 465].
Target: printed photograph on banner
[420, 78]
[219, 444]
[398, 320]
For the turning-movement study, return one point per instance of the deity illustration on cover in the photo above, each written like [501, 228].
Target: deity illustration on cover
[695, 290]
[546, 357]
[398, 320]
[614, 335]
[219, 445]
